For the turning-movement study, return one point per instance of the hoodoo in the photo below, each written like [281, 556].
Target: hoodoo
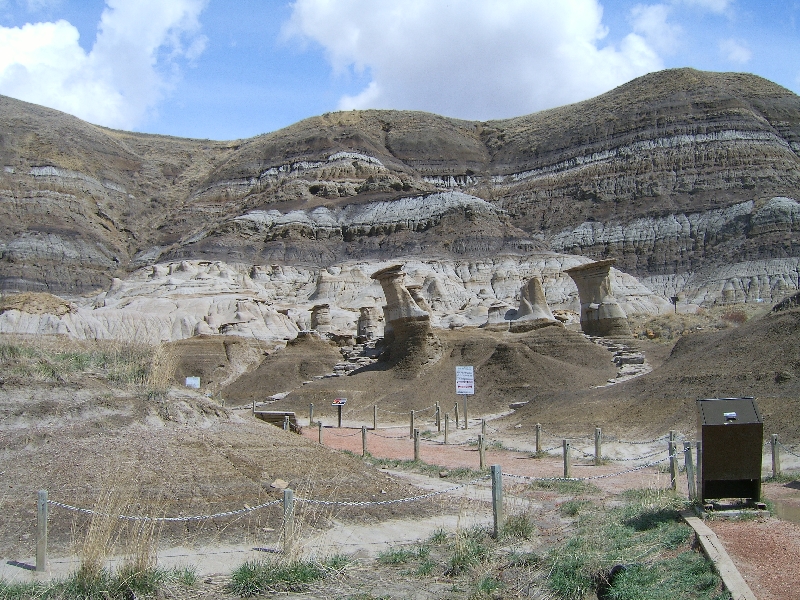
[601, 314]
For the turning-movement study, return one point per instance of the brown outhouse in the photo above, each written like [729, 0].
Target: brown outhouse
[732, 436]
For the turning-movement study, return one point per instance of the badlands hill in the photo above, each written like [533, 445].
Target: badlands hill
[690, 179]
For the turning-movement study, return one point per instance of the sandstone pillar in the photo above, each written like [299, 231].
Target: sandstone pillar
[321, 318]
[411, 344]
[601, 314]
[367, 328]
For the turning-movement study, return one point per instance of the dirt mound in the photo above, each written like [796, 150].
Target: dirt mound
[760, 358]
[303, 358]
[216, 360]
[508, 368]
[36, 303]
[72, 422]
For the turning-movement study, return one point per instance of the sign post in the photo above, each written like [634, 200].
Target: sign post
[339, 403]
[465, 386]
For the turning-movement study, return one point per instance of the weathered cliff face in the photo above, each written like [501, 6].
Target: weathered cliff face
[689, 179]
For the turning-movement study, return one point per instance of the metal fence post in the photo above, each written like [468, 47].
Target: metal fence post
[286, 422]
[41, 531]
[288, 520]
[497, 499]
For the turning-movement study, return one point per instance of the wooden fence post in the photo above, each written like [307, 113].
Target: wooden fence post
[497, 499]
[310, 414]
[538, 438]
[483, 427]
[567, 447]
[776, 456]
[288, 520]
[363, 440]
[411, 426]
[41, 531]
[438, 418]
[457, 422]
[673, 466]
[481, 452]
[319, 424]
[699, 470]
[254, 406]
[465, 412]
[598, 448]
[446, 426]
[416, 444]
[687, 459]
[374, 417]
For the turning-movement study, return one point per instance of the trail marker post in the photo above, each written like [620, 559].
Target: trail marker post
[465, 386]
[339, 403]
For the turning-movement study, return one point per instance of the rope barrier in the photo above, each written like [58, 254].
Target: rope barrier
[388, 437]
[344, 435]
[788, 450]
[230, 513]
[385, 502]
[639, 468]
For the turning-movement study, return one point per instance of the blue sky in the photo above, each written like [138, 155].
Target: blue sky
[221, 69]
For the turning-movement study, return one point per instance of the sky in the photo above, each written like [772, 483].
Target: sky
[225, 69]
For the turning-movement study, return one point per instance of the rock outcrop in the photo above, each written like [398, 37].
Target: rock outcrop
[533, 311]
[689, 179]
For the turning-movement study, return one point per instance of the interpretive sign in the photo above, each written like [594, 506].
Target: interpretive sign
[465, 380]
[193, 382]
[339, 402]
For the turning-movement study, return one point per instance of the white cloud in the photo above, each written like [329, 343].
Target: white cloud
[470, 58]
[715, 6]
[735, 51]
[120, 79]
[651, 22]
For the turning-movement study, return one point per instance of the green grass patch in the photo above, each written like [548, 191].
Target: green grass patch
[572, 487]
[519, 526]
[648, 537]
[418, 466]
[275, 576]
[469, 549]
[103, 585]
[571, 508]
